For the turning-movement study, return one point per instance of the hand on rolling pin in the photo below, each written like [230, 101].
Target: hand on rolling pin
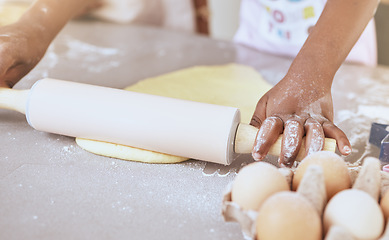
[23, 44]
[296, 110]
[301, 103]
[20, 50]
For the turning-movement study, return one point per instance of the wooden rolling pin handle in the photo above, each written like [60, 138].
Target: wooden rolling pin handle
[14, 99]
[245, 138]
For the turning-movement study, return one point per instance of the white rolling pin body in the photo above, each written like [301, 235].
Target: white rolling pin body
[178, 127]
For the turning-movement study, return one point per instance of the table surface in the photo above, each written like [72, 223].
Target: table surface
[52, 189]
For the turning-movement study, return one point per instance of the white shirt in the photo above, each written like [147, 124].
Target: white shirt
[282, 26]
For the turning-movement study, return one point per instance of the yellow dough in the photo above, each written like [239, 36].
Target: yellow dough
[229, 85]
[10, 12]
[126, 152]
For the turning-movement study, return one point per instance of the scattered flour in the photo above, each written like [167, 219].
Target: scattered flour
[94, 58]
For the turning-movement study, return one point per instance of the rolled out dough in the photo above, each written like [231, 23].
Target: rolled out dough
[10, 12]
[228, 85]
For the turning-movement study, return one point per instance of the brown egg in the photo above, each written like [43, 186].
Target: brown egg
[288, 215]
[384, 203]
[357, 212]
[256, 182]
[336, 174]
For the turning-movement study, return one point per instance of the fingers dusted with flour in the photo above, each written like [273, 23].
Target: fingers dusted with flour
[296, 109]
[267, 135]
[303, 97]
[314, 136]
[291, 142]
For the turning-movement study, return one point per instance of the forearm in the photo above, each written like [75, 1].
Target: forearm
[332, 38]
[24, 43]
[48, 17]
[301, 103]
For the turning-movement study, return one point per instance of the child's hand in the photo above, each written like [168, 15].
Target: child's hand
[23, 44]
[296, 107]
[21, 48]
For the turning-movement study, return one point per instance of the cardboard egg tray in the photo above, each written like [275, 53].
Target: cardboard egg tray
[232, 212]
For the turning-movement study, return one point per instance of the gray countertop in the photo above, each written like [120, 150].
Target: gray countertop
[52, 189]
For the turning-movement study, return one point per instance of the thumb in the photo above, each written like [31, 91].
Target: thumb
[5, 64]
[259, 115]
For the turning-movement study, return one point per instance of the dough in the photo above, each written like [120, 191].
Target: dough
[229, 85]
[126, 152]
[11, 12]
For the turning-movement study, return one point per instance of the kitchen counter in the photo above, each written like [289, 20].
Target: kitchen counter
[52, 189]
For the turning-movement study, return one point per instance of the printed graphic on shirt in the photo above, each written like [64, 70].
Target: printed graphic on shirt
[288, 21]
[282, 26]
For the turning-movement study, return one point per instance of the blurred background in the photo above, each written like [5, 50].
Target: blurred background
[224, 21]
[217, 19]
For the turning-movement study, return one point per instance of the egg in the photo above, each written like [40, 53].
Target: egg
[357, 212]
[256, 182]
[336, 174]
[385, 204]
[338, 233]
[369, 178]
[288, 215]
[312, 187]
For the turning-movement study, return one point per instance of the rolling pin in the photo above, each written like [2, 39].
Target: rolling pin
[178, 127]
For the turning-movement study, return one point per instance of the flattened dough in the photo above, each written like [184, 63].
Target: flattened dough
[229, 85]
[10, 12]
[126, 152]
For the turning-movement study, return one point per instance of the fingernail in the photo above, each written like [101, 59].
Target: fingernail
[347, 150]
[285, 164]
[257, 156]
[385, 168]
[280, 164]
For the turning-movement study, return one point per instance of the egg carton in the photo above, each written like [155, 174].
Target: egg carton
[232, 212]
